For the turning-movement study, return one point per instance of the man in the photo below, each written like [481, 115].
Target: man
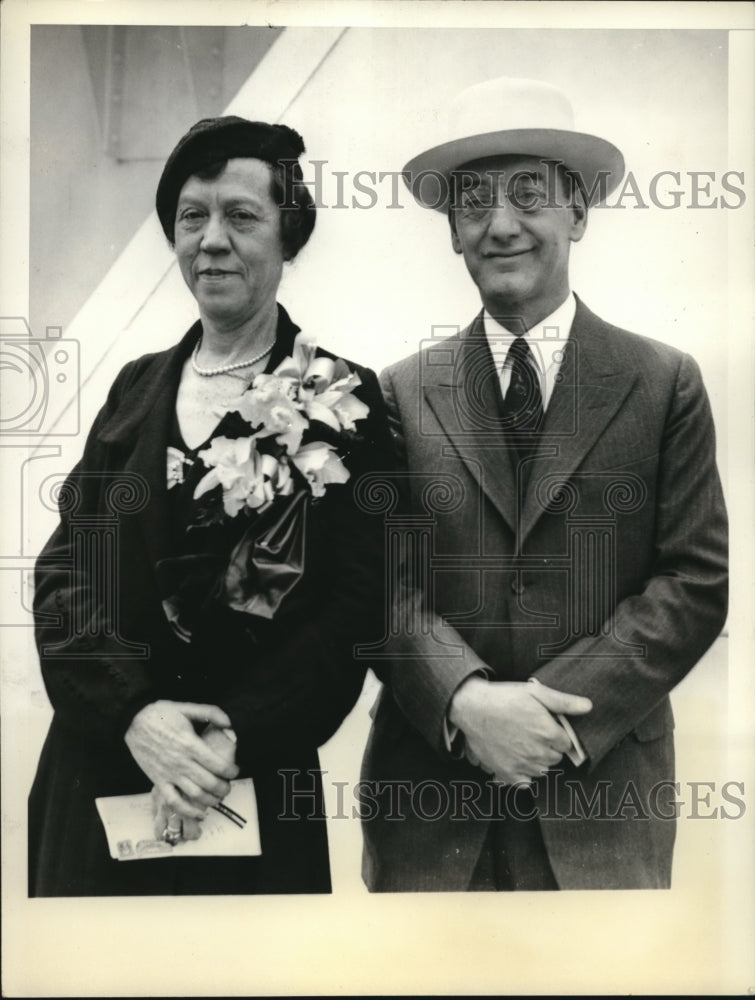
[575, 567]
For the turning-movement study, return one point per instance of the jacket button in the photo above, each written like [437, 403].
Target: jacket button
[517, 586]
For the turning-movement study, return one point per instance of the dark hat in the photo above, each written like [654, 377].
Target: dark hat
[214, 139]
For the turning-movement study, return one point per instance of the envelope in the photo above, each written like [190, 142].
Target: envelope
[131, 837]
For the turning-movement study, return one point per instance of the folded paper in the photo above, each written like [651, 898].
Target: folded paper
[131, 836]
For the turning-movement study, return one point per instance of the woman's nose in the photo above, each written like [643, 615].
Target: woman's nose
[215, 235]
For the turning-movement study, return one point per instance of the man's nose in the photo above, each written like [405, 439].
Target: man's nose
[503, 220]
[215, 235]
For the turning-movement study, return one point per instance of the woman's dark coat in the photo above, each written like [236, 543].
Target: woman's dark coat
[286, 690]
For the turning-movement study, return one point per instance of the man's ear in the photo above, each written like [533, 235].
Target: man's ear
[455, 241]
[578, 209]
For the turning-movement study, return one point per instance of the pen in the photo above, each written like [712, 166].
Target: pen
[230, 814]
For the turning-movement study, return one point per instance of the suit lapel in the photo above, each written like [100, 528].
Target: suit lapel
[462, 387]
[463, 390]
[594, 383]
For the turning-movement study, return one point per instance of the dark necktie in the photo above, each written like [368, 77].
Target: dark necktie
[523, 403]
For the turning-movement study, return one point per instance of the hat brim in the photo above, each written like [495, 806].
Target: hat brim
[598, 163]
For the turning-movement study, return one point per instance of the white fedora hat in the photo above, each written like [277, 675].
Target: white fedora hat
[508, 116]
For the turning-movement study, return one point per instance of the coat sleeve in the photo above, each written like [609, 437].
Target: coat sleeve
[422, 686]
[91, 689]
[682, 607]
[300, 691]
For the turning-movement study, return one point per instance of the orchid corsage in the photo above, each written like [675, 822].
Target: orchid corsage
[263, 461]
[283, 444]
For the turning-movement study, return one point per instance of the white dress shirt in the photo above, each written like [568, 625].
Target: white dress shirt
[546, 340]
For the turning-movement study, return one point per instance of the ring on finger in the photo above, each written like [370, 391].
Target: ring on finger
[173, 832]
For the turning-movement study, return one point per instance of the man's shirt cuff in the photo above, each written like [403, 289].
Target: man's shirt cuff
[453, 738]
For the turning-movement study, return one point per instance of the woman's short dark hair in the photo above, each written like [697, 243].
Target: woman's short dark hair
[204, 152]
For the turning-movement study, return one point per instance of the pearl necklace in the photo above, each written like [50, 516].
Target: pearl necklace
[222, 369]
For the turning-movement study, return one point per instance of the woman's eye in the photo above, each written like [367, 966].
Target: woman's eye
[189, 215]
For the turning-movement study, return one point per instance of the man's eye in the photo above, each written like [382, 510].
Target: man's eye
[527, 196]
[477, 200]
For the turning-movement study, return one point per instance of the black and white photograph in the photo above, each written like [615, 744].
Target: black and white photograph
[376, 421]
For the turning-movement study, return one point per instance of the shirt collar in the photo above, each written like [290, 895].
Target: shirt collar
[554, 329]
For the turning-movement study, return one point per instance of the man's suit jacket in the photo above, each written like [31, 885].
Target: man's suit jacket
[606, 578]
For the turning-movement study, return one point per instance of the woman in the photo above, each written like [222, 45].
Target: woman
[219, 654]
